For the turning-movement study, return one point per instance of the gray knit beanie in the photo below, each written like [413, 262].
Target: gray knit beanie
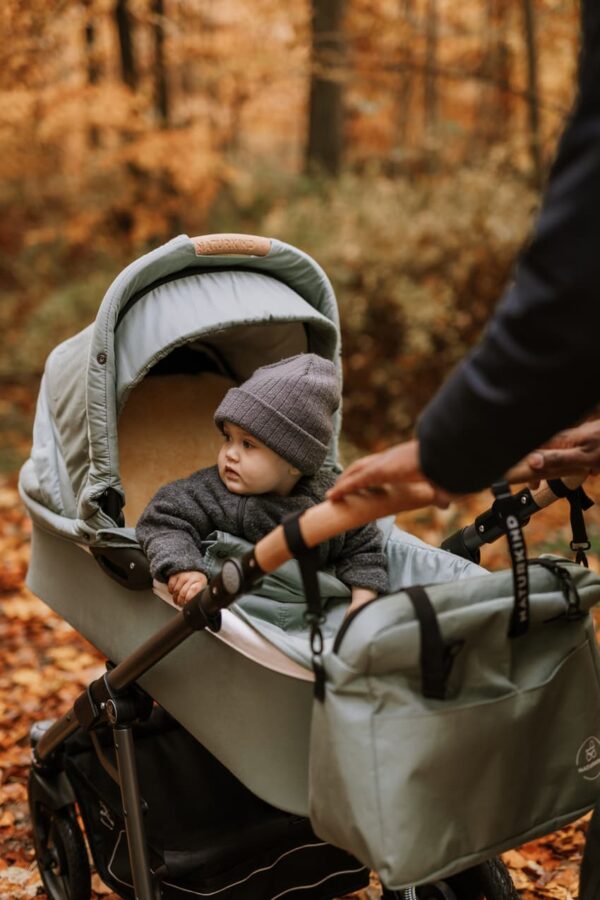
[288, 406]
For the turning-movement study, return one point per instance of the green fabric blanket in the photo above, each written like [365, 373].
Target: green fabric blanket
[277, 608]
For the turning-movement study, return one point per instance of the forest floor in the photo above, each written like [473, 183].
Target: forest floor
[44, 665]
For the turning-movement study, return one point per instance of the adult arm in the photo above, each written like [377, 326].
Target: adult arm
[537, 368]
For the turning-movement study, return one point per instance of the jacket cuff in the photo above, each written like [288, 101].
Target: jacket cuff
[372, 577]
[163, 571]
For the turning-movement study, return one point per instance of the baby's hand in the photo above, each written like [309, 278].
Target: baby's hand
[184, 585]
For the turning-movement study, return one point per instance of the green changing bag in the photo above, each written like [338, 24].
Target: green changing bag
[441, 741]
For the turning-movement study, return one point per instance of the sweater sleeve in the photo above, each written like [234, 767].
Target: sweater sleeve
[537, 368]
[361, 562]
[171, 529]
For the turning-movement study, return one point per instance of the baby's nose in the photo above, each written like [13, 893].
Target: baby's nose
[231, 452]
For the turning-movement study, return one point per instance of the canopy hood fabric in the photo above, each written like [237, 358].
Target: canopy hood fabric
[174, 295]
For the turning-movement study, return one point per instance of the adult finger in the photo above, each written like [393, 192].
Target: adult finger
[396, 465]
[568, 461]
[442, 499]
[585, 435]
[564, 462]
[553, 464]
[363, 476]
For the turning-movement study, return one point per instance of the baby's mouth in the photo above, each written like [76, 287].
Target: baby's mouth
[231, 473]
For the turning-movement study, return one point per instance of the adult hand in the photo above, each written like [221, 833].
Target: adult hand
[394, 466]
[185, 585]
[575, 451]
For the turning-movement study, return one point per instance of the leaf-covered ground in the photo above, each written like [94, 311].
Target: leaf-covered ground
[44, 664]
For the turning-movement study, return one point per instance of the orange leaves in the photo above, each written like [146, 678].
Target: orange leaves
[43, 667]
[13, 551]
[548, 869]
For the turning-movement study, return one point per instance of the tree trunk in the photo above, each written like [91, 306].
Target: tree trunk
[533, 98]
[129, 72]
[326, 104]
[92, 64]
[161, 87]
[406, 77]
[431, 48]
[494, 104]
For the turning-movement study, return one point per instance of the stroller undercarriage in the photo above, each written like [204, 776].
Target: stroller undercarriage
[222, 842]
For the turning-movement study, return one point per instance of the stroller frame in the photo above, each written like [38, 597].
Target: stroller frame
[116, 700]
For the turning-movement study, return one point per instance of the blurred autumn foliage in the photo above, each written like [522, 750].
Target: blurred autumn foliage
[401, 142]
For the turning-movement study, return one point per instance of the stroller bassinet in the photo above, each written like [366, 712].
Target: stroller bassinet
[262, 304]
[125, 406]
[106, 437]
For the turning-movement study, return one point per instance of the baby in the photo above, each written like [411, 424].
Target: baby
[276, 430]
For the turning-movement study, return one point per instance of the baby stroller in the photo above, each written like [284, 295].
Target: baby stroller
[213, 800]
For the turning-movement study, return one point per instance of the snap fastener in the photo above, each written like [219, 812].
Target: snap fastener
[101, 358]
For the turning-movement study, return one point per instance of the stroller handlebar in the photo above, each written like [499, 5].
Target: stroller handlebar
[321, 522]
[544, 496]
[487, 527]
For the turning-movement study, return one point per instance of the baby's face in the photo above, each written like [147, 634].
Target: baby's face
[247, 466]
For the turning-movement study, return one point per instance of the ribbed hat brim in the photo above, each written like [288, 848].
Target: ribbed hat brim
[285, 437]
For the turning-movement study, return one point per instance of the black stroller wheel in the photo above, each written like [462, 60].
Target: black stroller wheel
[61, 854]
[488, 881]
[496, 881]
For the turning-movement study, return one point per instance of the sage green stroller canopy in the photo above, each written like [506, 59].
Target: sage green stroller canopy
[211, 294]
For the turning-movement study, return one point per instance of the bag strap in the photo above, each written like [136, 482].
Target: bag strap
[578, 501]
[436, 656]
[504, 507]
[308, 562]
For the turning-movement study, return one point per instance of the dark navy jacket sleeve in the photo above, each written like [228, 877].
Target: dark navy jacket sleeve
[537, 368]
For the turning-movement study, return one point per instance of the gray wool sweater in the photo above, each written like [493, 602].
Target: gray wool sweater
[183, 513]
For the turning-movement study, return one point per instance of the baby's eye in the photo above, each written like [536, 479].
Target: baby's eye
[247, 445]
[226, 437]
